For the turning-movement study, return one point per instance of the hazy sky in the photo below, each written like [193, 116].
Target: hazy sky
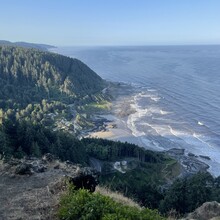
[111, 22]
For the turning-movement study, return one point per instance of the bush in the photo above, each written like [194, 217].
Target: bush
[81, 204]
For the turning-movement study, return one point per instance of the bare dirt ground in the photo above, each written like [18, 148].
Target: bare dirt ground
[28, 196]
[34, 194]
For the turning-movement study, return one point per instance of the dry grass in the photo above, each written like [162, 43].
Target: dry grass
[30, 197]
[118, 197]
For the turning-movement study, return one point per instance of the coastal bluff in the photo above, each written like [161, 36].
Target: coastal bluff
[31, 188]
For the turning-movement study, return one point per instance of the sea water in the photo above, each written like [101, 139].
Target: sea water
[177, 97]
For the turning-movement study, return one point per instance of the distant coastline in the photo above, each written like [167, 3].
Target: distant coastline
[43, 47]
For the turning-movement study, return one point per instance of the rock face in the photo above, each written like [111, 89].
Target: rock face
[30, 188]
[208, 211]
[30, 168]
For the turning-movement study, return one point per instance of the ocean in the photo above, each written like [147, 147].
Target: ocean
[177, 97]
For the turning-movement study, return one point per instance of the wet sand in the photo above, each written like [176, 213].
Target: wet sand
[116, 129]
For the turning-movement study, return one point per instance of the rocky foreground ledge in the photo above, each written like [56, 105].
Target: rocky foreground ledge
[31, 188]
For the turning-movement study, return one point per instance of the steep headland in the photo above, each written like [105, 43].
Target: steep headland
[47, 101]
[46, 88]
[44, 75]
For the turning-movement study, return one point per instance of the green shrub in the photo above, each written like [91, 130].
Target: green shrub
[83, 205]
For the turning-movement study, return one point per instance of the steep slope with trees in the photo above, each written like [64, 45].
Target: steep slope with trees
[34, 83]
[29, 75]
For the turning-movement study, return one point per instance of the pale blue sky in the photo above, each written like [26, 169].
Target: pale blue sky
[111, 22]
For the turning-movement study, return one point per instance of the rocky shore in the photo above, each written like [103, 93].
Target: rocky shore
[113, 126]
[189, 164]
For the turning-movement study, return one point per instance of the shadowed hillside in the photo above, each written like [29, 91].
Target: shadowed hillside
[44, 87]
[28, 75]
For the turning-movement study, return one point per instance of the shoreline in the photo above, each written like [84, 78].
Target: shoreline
[115, 128]
[114, 120]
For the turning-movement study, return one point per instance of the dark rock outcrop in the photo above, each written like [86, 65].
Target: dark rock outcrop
[48, 157]
[86, 178]
[176, 151]
[189, 163]
[29, 167]
[205, 157]
[23, 169]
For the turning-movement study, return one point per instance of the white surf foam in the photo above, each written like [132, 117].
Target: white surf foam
[200, 123]
[164, 112]
[155, 98]
[132, 125]
[151, 90]
[149, 124]
[150, 94]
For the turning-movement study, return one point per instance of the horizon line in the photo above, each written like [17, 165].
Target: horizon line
[138, 45]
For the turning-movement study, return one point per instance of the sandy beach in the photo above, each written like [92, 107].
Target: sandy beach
[116, 128]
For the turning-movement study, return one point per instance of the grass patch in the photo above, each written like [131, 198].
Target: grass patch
[116, 196]
[171, 169]
[95, 107]
[83, 205]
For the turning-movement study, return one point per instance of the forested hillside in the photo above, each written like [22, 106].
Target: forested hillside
[36, 91]
[28, 75]
[34, 84]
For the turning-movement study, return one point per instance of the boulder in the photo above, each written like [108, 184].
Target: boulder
[48, 157]
[38, 167]
[24, 169]
[208, 211]
[205, 157]
[57, 166]
[30, 167]
[191, 155]
[176, 151]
